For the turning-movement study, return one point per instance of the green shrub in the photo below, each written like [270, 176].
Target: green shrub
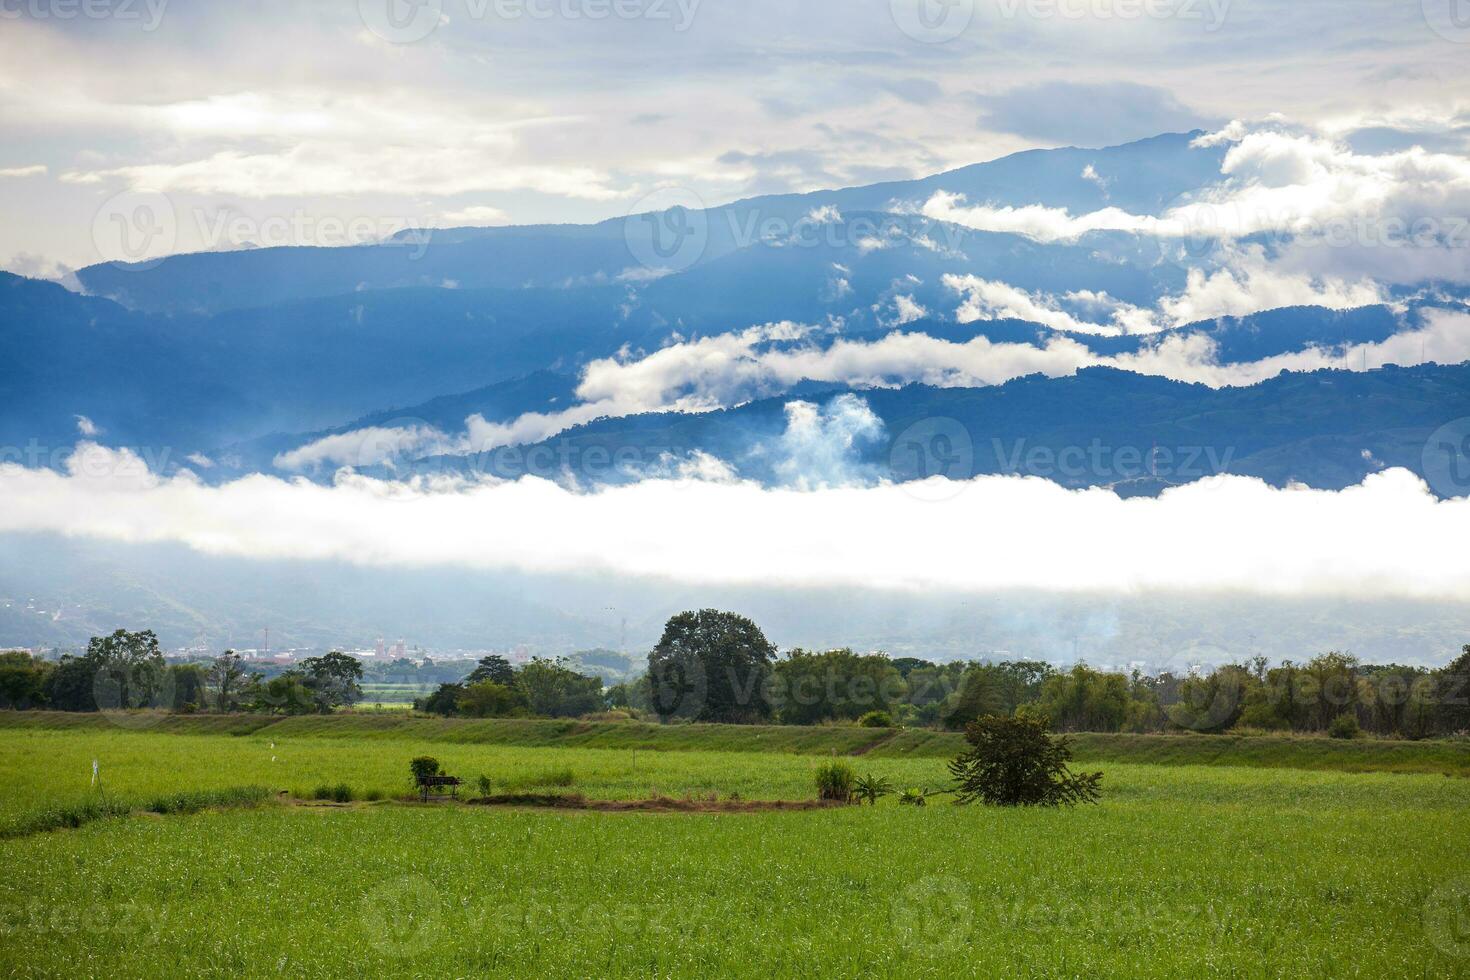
[337, 792]
[554, 777]
[422, 766]
[373, 795]
[835, 781]
[1014, 761]
[870, 787]
[876, 719]
[74, 815]
[1344, 726]
[913, 796]
[483, 784]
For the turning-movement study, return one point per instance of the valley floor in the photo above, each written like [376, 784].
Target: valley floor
[1221, 870]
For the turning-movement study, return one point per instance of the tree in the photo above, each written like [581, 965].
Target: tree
[68, 687]
[553, 690]
[444, 700]
[1014, 762]
[288, 693]
[1085, 700]
[229, 678]
[980, 694]
[493, 668]
[711, 666]
[332, 680]
[1215, 701]
[128, 670]
[22, 680]
[488, 699]
[808, 688]
[1452, 692]
[187, 687]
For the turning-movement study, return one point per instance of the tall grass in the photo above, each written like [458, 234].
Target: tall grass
[66, 816]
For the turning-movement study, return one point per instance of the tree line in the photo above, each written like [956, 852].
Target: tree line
[714, 666]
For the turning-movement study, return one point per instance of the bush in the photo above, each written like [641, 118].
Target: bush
[373, 795]
[483, 784]
[835, 781]
[1015, 762]
[554, 777]
[876, 719]
[1344, 726]
[871, 787]
[423, 765]
[913, 796]
[338, 792]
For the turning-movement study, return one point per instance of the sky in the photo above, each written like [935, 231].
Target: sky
[277, 122]
[273, 123]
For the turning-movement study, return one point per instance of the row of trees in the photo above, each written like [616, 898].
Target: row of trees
[496, 689]
[718, 666]
[126, 670]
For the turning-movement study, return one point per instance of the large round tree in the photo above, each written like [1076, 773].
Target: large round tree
[711, 666]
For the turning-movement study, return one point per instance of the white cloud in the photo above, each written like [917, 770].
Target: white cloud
[730, 369]
[988, 299]
[370, 446]
[328, 169]
[35, 170]
[817, 450]
[477, 215]
[87, 427]
[1252, 285]
[995, 532]
[1244, 283]
[907, 310]
[1039, 222]
[1400, 217]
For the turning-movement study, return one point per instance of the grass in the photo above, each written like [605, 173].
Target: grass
[1451, 756]
[97, 806]
[1182, 869]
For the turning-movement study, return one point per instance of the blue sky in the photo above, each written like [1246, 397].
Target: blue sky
[333, 121]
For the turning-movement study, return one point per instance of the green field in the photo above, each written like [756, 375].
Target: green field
[1188, 867]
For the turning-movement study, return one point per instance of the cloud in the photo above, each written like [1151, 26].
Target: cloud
[818, 448]
[1327, 210]
[370, 446]
[730, 369]
[1252, 286]
[1116, 112]
[477, 215]
[988, 299]
[87, 427]
[334, 169]
[35, 170]
[907, 310]
[1041, 222]
[993, 532]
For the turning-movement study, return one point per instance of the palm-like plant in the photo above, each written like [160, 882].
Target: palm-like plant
[870, 787]
[913, 796]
